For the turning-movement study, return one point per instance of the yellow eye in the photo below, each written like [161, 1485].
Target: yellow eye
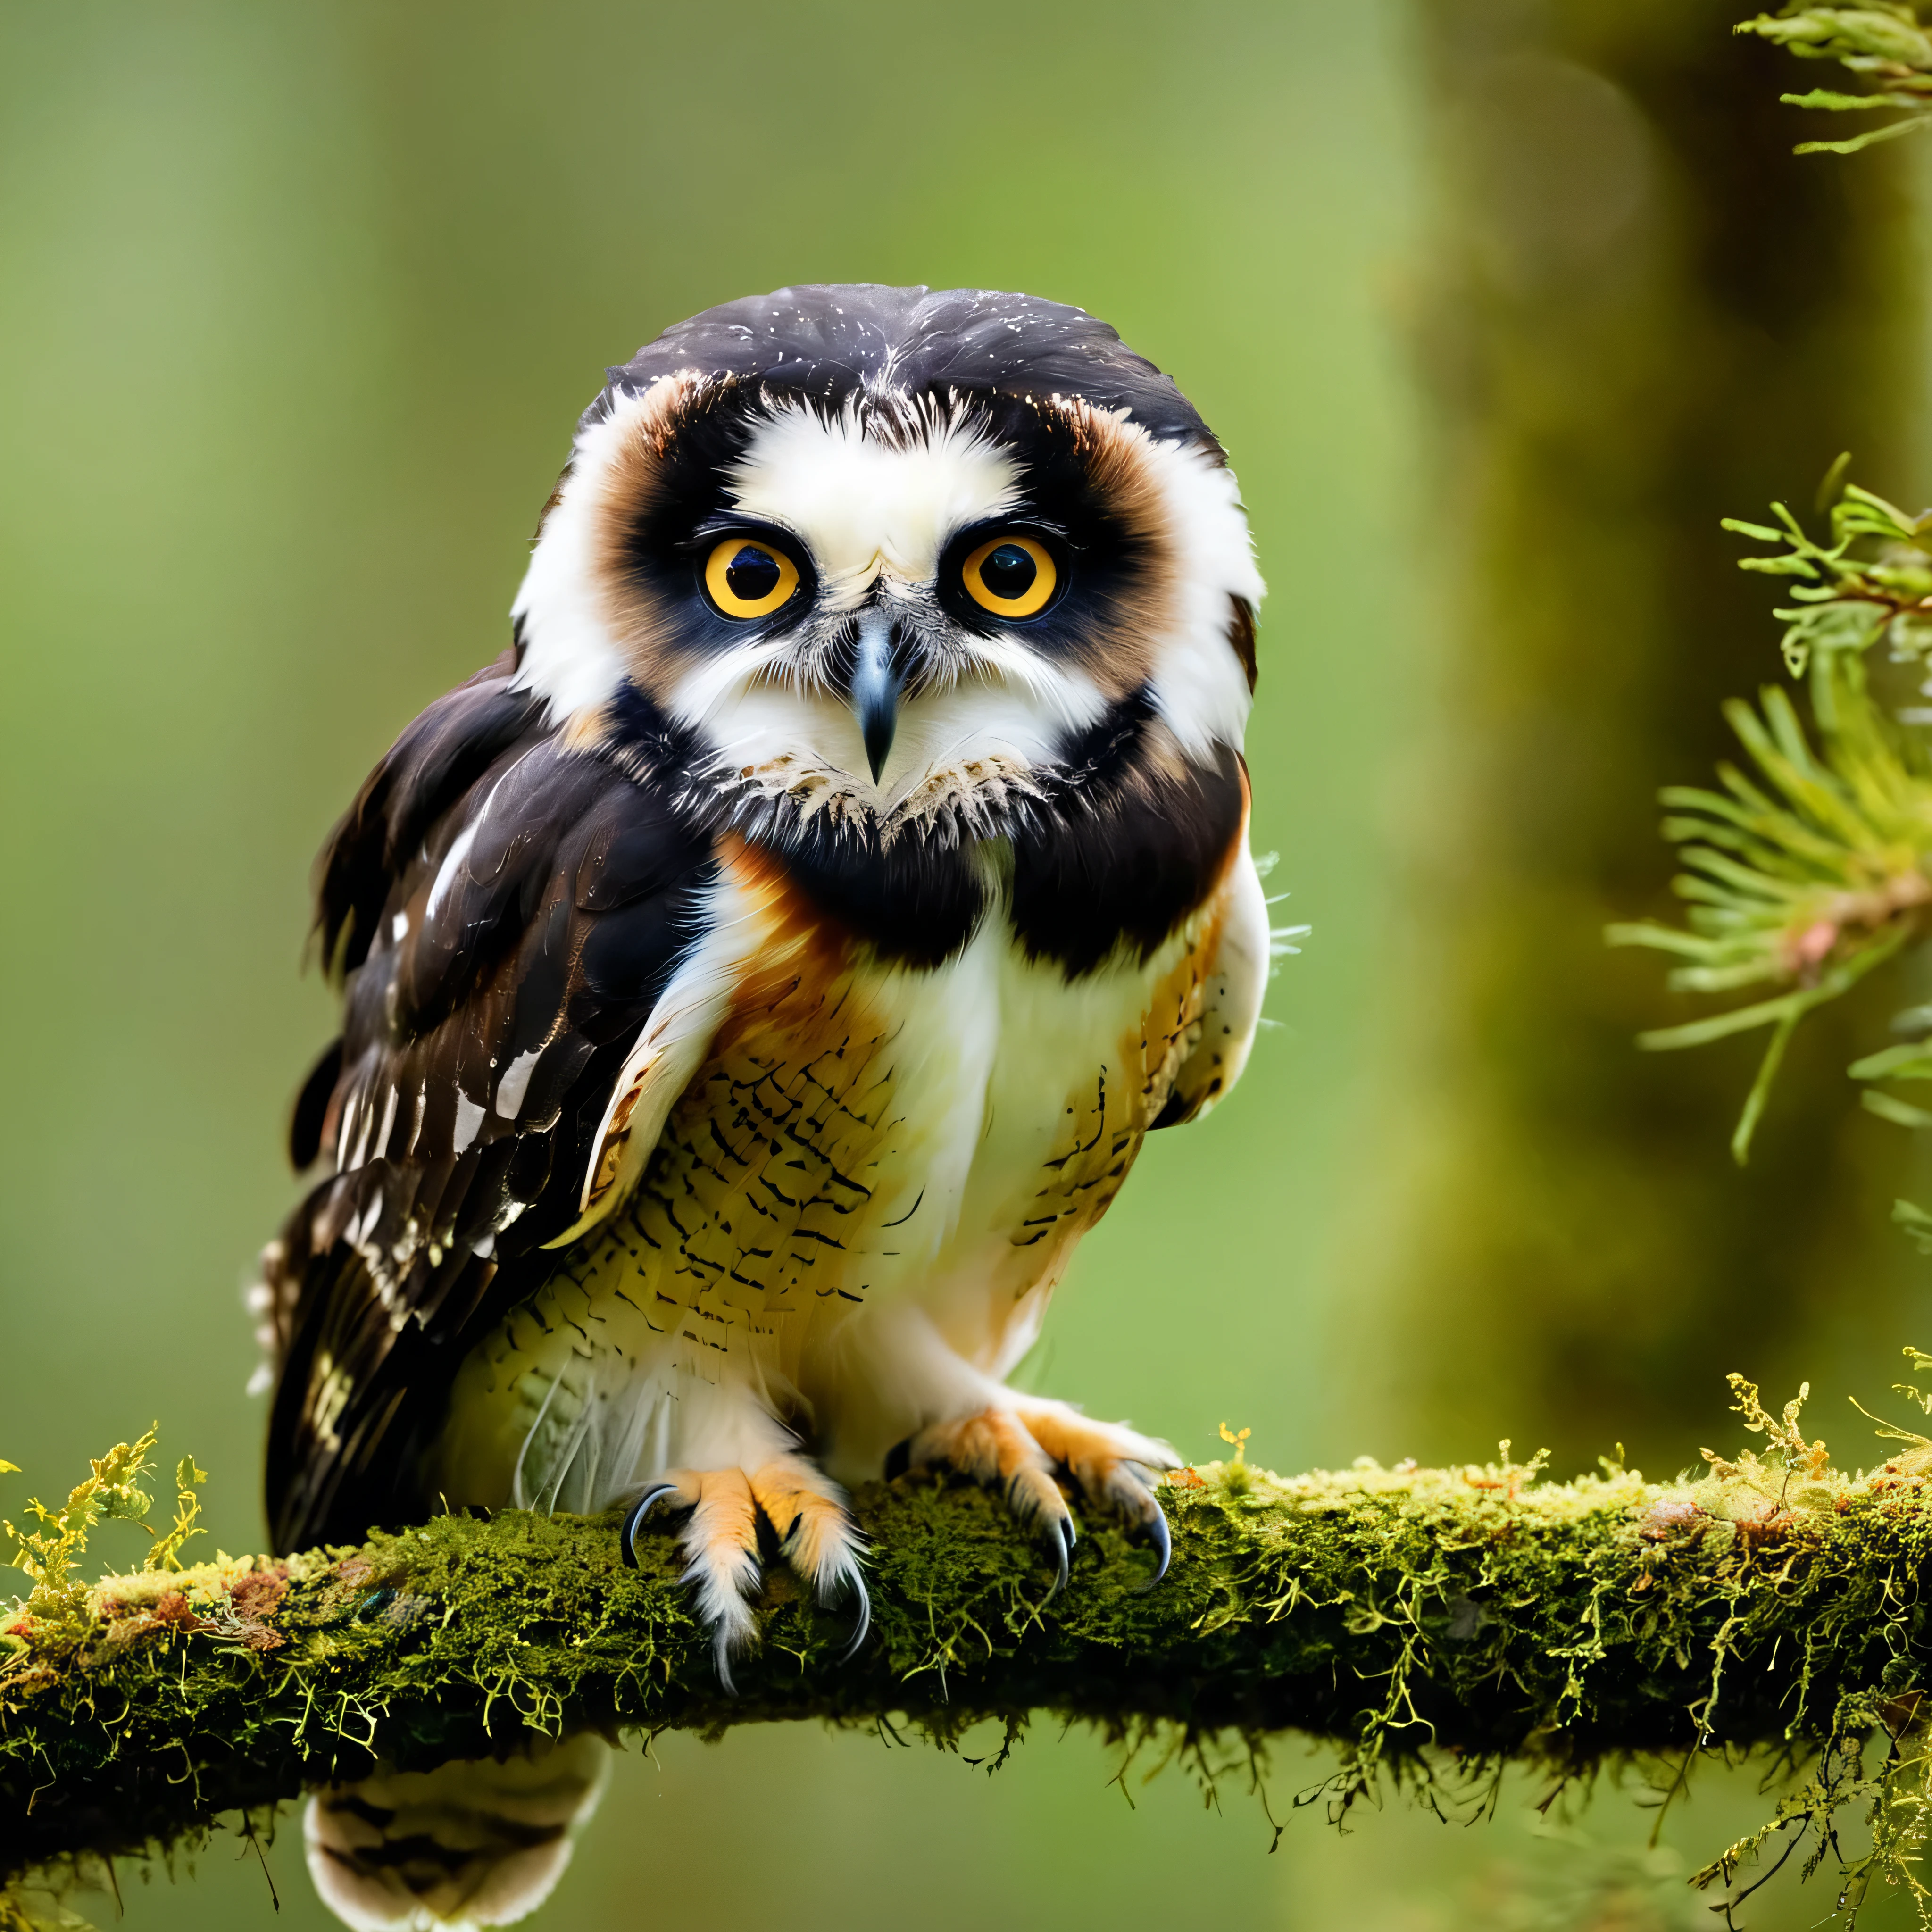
[1012, 577]
[749, 579]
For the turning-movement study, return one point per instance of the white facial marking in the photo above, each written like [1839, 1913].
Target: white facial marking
[569, 655]
[794, 736]
[1200, 687]
[865, 507]
[873, 509]
[877, 510]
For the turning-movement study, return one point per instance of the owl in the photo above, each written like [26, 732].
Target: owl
[757, 981]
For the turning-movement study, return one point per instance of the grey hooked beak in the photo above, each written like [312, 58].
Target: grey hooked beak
[875, 688]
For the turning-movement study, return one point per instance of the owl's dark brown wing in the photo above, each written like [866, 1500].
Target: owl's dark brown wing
[504, 910]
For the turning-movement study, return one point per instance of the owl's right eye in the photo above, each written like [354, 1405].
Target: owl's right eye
[745, 577]
[1012, 576]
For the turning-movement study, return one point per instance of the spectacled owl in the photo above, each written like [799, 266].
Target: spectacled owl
[757, 981]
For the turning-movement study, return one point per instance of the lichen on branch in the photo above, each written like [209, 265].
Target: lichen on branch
[1432, 1622]
[49, 1552]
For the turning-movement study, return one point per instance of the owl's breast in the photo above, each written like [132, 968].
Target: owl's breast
[865, 1129]
[863, 1135]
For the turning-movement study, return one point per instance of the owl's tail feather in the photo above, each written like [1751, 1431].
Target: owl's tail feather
[476, 1843]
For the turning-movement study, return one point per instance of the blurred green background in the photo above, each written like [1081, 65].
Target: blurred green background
[298, 305]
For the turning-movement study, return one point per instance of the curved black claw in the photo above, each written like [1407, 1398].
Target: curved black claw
[862, 1628]
[634, 1520]
[1163, 1544]
[1064, 1535]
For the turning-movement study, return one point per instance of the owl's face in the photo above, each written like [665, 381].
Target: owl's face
[874, 545]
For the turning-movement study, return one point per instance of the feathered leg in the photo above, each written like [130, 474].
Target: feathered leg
[1022, 1445]
[743, 1467]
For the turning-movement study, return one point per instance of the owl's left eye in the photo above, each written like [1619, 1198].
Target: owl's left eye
[745, 577]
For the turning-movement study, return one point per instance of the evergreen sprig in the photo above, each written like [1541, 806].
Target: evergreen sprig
[1814, 868]
[1843, 600]
[1882, 41]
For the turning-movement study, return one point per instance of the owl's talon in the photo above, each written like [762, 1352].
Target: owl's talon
[1160, 1536]
[634, 1520]
[1019, 1448]
[1061, 1530]
[864, 1627]
[726, 1512]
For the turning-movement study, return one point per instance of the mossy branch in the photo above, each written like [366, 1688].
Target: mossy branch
[1433, 1622]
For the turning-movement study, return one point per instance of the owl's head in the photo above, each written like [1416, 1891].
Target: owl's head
[884, 548]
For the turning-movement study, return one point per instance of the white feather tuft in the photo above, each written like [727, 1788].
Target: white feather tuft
[1201, 688]
[570, 658]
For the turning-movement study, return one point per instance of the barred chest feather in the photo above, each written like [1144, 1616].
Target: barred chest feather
[864, 1141]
